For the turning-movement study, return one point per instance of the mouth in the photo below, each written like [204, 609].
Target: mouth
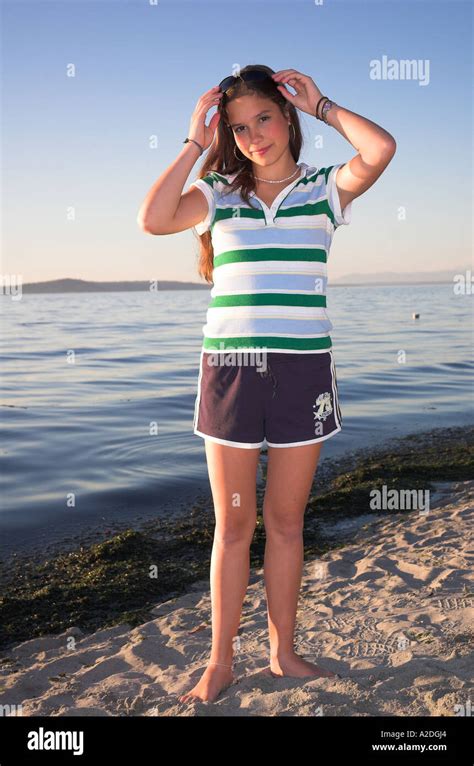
[262, 151]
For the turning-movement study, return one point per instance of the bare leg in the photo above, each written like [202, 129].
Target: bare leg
[289, 479]
[233, 477]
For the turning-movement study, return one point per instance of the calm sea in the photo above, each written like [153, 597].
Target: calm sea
[85, 378]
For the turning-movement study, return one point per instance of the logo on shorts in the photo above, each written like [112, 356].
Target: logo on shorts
[322, 406]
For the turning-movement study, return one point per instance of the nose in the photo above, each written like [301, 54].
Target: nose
[256, 142]
[256, 138]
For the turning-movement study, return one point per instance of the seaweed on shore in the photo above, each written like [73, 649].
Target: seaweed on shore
[122, 578]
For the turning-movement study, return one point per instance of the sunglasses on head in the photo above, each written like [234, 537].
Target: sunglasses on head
[251, 74]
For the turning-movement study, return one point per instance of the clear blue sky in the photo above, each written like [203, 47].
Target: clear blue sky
[83, 142]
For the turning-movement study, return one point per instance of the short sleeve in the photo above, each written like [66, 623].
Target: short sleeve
[333, 198]
[206, 185]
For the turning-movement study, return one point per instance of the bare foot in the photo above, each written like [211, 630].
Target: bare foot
[213, 681]
[293, 665]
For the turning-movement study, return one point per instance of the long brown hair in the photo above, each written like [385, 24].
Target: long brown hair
[221, 156]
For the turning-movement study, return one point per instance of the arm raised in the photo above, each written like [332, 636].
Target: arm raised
[166, 209]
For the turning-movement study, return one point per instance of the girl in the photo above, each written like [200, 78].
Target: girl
[266, 223]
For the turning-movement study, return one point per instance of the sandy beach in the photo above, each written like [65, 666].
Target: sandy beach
[391, 613]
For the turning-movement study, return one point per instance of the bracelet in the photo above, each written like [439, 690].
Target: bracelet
[317, 107]
[186, 140]
[325, 108]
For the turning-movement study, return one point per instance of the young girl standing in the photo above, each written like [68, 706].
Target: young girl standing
[267, 371]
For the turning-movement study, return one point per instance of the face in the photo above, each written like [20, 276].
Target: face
[258, 123]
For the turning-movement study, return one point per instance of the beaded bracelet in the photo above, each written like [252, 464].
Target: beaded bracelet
[325, 108]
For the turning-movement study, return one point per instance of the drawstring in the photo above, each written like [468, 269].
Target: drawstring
[270, 371]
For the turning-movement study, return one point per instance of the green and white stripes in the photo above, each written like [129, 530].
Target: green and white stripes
[270, 274]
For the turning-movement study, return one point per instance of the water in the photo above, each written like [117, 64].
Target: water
[86, 376]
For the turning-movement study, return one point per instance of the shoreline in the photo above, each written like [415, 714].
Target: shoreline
[104, 579]
[390, 612]
[107, 527]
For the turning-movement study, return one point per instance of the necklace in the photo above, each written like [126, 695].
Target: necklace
[281, 179]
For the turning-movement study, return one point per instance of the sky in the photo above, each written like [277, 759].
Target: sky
[76, 156]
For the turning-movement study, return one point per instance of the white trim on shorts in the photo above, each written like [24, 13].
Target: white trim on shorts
[198, 396]
[308, 441]
[244, 445]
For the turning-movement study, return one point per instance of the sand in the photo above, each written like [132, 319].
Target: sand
[391, 613]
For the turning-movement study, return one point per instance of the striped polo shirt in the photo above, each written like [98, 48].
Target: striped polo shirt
[269, 271]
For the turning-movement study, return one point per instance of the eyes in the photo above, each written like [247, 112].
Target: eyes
[263, 117]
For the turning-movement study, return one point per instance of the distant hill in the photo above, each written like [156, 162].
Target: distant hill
[377, 278]
[84, 286]
[398, 277]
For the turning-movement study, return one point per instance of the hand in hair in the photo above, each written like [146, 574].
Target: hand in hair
[198, 130]
[307, 92]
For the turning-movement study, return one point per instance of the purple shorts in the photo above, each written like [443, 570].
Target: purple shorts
[279, 399]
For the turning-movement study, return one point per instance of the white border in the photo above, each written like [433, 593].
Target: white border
[205, 224]
[333, 198]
